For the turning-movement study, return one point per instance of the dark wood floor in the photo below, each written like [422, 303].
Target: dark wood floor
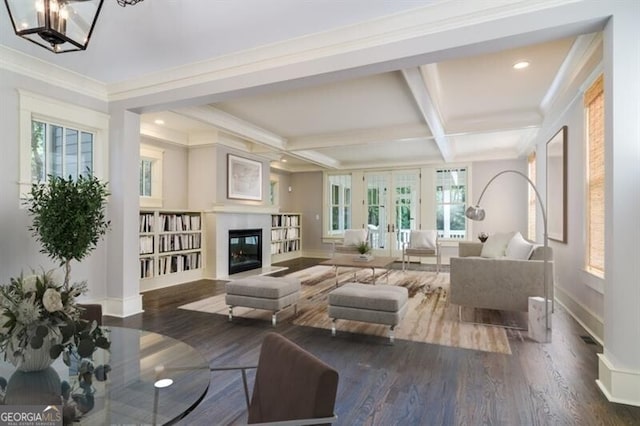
[405, 384]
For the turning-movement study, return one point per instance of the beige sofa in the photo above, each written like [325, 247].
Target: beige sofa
[501, 283]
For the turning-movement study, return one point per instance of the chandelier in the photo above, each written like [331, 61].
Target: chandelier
[57, 25]
[124, 3]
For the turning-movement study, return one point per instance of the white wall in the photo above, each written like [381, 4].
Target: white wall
[19, 251]
[505, 201]
[575, 288]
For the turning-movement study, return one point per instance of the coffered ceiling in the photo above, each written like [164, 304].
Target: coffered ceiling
[467, 107]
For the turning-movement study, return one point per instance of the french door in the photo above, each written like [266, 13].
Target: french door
[392, 209]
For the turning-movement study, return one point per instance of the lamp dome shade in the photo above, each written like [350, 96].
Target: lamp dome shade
[475, 213]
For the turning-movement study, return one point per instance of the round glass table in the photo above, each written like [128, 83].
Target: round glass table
[154, 379]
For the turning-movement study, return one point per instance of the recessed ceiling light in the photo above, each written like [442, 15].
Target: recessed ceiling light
[521, 65]
[159, 121]
[284, 160]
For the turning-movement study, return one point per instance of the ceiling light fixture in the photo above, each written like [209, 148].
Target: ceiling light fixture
[124, 3]
[520, 65]
[57, 25]
[159, 121]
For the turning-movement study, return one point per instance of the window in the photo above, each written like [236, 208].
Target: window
[60, 139]
[339, 203]
[531, 196]
[273, 192]
[59, 151]
[451, 195]
[594, 105]
[151, 176]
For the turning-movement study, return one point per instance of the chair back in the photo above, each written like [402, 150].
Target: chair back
[91, 312]
[291, 383]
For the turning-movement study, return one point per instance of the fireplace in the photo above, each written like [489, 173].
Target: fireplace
[245, 250]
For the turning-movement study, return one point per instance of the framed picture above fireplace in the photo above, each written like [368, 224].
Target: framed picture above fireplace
[244, 178]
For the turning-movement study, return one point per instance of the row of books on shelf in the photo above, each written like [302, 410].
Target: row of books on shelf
[285, 246]
[169, 264]
[176, 242]
[146, 222]
[285, 220]
[179, 222]
[146, 244]
[146, 267]
[285, 234]
[178, 263]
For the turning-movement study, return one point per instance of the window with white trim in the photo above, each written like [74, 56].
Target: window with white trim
[151, 169]
[594, 112]
[274, 199]
[531, 197]
[60, 151]
[338, 203]
[451, 196]
[60, 139]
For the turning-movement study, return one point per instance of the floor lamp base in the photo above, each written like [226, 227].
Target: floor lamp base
[537, 325]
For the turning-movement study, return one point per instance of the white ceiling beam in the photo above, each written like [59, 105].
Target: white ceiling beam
[428, 109]
[361, 137]
[316, 158]
[233, 125]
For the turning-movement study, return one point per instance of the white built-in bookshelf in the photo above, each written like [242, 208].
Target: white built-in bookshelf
[286, 236]
[171, 249]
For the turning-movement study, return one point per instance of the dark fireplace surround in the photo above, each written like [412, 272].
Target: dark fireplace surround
[245, 250]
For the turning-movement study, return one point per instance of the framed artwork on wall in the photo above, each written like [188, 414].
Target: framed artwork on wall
[557, 186]
[244, 178]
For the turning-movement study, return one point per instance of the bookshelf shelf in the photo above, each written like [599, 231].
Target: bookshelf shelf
[171, 248]
[286, 236]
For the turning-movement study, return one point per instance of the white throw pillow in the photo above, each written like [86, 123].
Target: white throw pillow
[519, 248]
[354, 237]
[496, 245]
[423, 239]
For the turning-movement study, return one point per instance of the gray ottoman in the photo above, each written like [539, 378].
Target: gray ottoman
[263, 292]
[379, 304]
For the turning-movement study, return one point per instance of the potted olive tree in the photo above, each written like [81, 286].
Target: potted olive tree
[68, 217]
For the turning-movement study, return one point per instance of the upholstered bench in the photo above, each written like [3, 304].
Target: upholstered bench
[263, 292]
[378, 304]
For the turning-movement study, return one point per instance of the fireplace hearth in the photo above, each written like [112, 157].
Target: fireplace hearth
[245, 250]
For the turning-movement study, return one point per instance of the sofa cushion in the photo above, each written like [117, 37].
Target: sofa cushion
[496, 245]
[423, 239]
[519, 248]
[354, 237]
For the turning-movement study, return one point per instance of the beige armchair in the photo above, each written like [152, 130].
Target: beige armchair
[349, 244]
[422, 243]
[498, 283]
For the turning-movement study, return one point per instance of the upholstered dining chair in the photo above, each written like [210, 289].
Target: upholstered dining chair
[422, 243]
[291, 386]
[91, 312]
[349, 244]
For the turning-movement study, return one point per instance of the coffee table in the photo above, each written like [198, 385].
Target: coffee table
[347, 260]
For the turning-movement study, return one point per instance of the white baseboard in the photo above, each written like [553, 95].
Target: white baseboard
[620, 386]
[122, 308]
[587, 319]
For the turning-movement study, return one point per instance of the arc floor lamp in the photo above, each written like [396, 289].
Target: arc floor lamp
[477, 213]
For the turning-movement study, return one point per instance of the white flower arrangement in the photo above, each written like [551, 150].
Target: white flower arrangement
[35, 308]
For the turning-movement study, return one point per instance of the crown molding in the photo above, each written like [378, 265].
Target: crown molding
[435, 18]
[567, 79]
[29, 66]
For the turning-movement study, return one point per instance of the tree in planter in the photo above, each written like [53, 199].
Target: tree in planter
[68, 217]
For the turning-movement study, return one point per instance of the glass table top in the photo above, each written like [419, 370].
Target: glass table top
[131, 394]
